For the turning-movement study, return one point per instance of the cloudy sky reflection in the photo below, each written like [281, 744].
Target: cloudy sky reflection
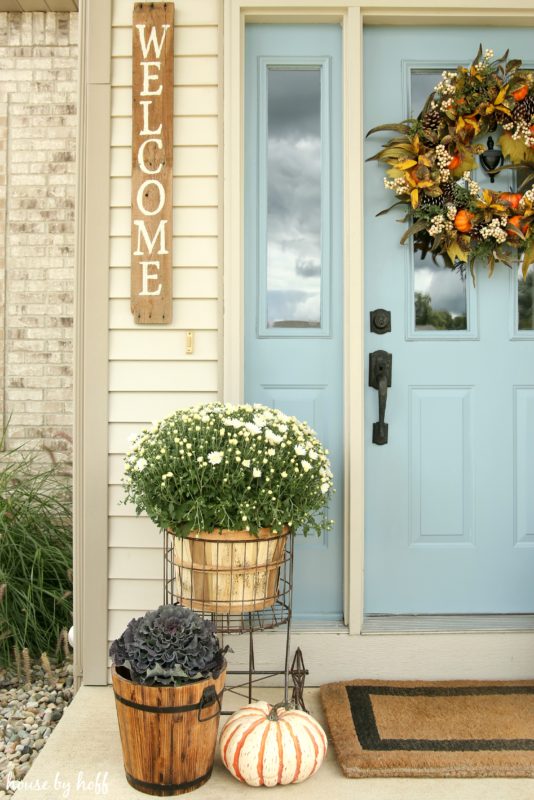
[294, 197]
[446, 288]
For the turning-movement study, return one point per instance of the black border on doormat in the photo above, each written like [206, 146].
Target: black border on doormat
[359, 697]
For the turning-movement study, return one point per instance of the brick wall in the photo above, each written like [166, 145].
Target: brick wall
[38, 92]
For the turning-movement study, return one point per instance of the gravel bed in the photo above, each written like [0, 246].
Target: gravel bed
[29, 713]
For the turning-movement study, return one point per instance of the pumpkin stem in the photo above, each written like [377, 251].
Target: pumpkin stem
[273, 713]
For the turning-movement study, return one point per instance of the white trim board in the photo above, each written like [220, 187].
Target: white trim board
[447, 623]
[340, 656]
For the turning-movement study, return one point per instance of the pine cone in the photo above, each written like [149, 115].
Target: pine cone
[432, 119]
[447, 190]
[524, 110]
[424, 200]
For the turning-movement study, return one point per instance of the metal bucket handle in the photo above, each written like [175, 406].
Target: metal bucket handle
[209, 697]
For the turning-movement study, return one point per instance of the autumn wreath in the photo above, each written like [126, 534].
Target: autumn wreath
[431, 160]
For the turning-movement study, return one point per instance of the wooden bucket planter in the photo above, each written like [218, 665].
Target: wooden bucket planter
[168, 733]
[229, 572]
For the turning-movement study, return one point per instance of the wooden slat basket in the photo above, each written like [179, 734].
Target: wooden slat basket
[229, 572]
[168, 733]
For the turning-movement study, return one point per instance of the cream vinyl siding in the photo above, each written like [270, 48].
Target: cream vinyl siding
[149, 373]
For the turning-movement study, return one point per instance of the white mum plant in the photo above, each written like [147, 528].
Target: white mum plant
[240, 467]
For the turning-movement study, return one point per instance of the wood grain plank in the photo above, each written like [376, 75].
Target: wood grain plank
[152, 154]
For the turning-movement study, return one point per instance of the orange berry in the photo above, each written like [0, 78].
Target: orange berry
[455, 162]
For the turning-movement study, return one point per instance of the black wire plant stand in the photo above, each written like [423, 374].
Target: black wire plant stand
[244, 586]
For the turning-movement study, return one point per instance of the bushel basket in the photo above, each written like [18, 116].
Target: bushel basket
[228, 572]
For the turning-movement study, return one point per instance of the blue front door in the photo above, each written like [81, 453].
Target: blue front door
[449, 511]
[293, 261]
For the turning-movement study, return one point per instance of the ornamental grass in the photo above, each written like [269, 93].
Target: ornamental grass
[35, 555]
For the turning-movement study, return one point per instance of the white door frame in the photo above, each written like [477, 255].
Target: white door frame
[352, 17]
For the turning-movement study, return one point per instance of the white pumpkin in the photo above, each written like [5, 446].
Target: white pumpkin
[265, 745]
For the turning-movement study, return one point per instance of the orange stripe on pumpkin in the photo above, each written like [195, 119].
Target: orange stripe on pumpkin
[240, 747]
[280, 752]
[298, 751]
[227, 744]
[262, 752]
[315, 748]
[315, 725]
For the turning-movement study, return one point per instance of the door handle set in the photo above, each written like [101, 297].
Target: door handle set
[380, 369]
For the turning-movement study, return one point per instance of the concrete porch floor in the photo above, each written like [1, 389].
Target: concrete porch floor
[86, 742]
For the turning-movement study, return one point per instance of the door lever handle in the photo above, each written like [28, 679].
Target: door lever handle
[380, 368]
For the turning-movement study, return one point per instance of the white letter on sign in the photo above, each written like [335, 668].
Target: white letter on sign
[147, 77]
[149, 277]
[146, 124]
[142, 231]
[141, 157]
[152, 40]
[140, 193]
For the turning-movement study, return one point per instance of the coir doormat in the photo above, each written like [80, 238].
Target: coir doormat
[456, 729]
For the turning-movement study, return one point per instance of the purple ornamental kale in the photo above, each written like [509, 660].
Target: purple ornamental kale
[169, 647]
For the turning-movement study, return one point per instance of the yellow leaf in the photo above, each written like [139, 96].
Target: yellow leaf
[406, 164]
[424, 184]
[500, 97]
[487, 195]
[414, 196]
[460, 124]
[489, 109]
[415, 143]
[514, 149]
[473, 124]
[454, 251]
[395, 173]
[504, 110]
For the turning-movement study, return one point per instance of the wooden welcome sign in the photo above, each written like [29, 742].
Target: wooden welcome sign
[152, 140]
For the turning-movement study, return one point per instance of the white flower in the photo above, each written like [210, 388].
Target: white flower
[132, 437]
[215, 457]
[313, 455]
[259, 420]
[246, 462]
[140, 464]
[325, 487]
[271, 451]
[251, 428]
[300, 450]
[273, 437]
[306, 466]
[283, 474]
[256, 473]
